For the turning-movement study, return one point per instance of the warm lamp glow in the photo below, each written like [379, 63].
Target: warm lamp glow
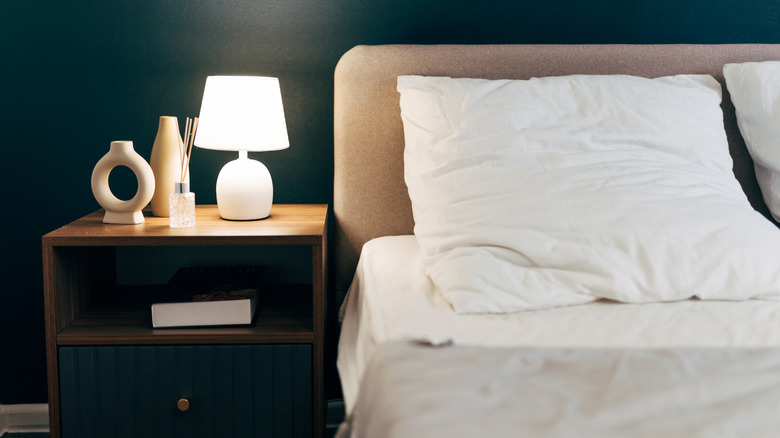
[243, 113]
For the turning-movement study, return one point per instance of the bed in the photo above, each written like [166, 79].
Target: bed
[541, 309]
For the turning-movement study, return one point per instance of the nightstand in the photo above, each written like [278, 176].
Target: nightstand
[111, 374]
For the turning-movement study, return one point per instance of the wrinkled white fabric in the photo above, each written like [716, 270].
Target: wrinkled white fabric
[755, 92]
[562, 190]
[391, 298]
[464, 392]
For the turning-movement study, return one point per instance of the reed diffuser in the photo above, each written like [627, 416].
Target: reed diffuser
[182, 200]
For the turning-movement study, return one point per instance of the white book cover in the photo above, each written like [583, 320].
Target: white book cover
[205, 313]
[209, 296]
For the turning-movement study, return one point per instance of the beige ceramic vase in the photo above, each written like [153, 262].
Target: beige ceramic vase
[166, 162]
[118, 211]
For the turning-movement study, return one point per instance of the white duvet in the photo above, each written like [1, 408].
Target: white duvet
[465, 392]
[391, 298]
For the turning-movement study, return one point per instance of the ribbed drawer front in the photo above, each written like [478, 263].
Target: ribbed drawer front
[232, 390]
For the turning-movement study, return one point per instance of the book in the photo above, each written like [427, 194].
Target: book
[209, 296]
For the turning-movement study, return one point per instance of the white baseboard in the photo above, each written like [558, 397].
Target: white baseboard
[24, 418]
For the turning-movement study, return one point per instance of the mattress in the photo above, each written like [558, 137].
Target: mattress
[392, 299]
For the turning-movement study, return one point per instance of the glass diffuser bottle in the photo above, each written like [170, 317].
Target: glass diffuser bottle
[182, 205]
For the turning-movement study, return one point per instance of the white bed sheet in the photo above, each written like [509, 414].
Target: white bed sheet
[391, 298]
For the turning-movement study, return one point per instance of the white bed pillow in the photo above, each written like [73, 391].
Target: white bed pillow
[563, 190]
[755, 92]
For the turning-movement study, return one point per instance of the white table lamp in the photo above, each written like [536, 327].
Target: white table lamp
[242, 113]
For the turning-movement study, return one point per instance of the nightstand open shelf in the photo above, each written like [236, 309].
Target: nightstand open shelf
[280, 318]
[87, 312]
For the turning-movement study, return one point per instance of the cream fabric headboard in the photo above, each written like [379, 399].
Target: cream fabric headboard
[370, 197]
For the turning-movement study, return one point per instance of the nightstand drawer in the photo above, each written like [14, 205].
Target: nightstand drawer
[230, 391]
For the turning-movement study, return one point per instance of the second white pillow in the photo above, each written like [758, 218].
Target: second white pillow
[755, 92]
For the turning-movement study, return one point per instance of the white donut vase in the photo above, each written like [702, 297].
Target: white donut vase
[118, 211]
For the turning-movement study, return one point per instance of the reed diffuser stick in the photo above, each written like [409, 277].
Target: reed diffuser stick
[189, 149]
[183, 149]
[188, 134]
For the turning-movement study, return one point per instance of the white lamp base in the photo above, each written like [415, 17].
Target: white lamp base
[244, 190]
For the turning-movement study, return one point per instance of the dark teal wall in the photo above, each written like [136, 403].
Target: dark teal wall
[76, 75]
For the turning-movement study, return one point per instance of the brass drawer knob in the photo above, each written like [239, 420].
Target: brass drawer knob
[183, 405]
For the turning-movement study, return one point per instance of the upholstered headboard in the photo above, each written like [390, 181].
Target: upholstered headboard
[370, 196]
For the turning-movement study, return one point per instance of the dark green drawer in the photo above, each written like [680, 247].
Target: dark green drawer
[233, 390]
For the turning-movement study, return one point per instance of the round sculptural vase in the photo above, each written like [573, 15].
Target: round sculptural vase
[166, 162]
[121, 153]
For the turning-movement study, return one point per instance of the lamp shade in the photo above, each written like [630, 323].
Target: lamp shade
[242, 113]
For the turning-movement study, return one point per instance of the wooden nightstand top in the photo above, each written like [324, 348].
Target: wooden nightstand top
[301, 224]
